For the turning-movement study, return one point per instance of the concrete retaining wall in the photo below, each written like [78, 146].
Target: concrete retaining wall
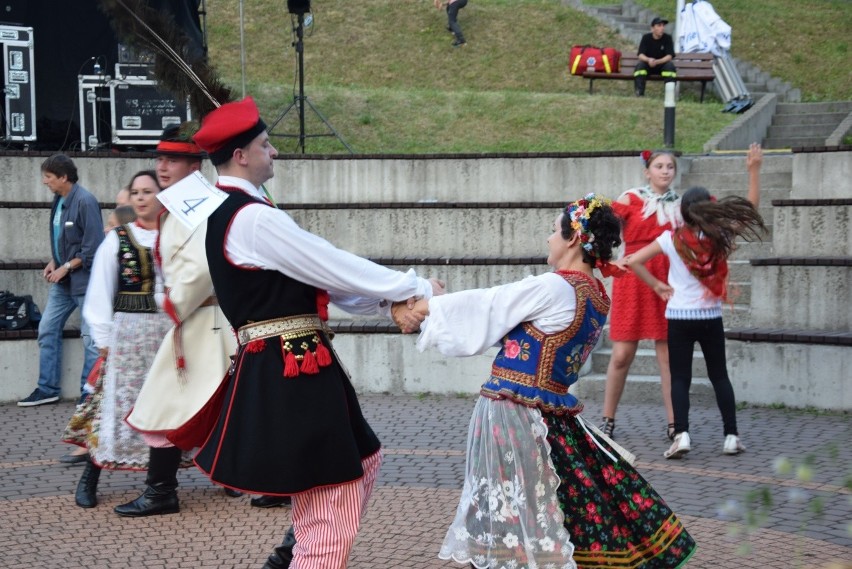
[822, 175]
[388, 362]
[355, 179]
[822, 231]
[802, 375]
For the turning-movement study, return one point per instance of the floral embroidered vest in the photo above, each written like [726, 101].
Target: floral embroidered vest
[135, 275]
[536, 369]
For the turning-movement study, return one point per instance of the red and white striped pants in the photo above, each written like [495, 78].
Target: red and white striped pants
[326, 519]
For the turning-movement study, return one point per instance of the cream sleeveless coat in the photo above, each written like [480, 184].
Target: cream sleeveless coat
[171, 397]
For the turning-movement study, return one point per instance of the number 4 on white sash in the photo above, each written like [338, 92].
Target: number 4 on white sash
[192, 199]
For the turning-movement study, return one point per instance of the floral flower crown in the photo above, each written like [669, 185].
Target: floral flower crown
[579, 212]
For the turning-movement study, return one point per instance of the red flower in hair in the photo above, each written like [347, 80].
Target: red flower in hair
[645, 155]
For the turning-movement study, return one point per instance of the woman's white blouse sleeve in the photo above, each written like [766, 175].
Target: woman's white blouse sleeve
[471, 321]
[100, 294]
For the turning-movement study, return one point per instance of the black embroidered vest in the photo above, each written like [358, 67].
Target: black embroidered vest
[136, 277]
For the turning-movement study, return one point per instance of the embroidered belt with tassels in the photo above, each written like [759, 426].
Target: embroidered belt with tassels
[312, 353]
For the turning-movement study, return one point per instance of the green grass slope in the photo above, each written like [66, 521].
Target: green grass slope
[386, 78]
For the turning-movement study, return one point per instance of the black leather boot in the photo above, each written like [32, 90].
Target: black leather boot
[86, 495]
[160, 497]
[283, 554]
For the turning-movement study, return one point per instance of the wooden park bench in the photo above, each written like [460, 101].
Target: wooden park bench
[690, 67]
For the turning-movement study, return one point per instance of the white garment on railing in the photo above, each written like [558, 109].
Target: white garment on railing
[701, 29]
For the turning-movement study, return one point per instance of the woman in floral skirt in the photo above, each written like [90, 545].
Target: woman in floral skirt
[542, 487]
[127, 327]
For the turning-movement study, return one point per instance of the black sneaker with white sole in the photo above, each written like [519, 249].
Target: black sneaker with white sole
[38, 397]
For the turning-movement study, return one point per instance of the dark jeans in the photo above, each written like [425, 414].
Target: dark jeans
[452, 18]
[642, 70]
[710, 336]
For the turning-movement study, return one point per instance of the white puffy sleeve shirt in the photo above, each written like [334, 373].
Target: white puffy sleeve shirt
[471, 321]
[268, 238]
[103, 283]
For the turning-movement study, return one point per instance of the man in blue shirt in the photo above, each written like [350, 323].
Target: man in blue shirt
[76, 231]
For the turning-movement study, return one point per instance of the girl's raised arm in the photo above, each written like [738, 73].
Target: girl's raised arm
[636, 262]
[754, 160]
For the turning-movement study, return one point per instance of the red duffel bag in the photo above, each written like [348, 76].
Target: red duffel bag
[583, 57]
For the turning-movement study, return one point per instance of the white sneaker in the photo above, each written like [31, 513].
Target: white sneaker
[679, 447]
[733, 445]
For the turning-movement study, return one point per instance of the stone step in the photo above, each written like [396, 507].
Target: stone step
[813, 118]
[776, 184]
[615, 15]
[789, 373]
[645, 362]
[738, 315]
[457, 276]
[608, 9]
[811, 108]
[639, 389]
[812, 230]
[393, 365]
[794, 142]
[372, 179]
[385, 232]
[801, 131]
[735, 162]
[753, 250]
[801, 297]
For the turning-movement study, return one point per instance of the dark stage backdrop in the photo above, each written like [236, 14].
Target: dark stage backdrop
[68, 34]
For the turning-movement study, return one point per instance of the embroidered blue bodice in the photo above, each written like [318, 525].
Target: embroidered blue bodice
[537, 369]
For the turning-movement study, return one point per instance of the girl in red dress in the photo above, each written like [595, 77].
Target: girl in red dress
[637, 313]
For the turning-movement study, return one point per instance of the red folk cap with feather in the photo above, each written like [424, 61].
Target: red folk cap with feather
[176, 140]
[231, 126]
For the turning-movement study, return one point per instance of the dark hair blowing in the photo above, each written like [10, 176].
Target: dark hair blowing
[141, 173]
[60, 165]
[721, 221]
[605, 225]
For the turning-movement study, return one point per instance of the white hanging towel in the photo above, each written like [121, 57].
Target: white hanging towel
[712, 27]
[688, 40]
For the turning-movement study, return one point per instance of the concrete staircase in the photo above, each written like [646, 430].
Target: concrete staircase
[801, 330]
[801, 125]
[477, 221]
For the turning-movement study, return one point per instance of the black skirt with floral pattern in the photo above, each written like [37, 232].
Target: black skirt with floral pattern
[614, 517]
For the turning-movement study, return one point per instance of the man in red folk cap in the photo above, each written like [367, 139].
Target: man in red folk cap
[195, 353]
[290, 422]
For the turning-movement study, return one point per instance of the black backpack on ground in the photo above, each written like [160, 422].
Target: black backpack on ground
[18, 312]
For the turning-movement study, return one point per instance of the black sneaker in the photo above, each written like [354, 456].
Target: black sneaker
[458, 43]
[38, 397]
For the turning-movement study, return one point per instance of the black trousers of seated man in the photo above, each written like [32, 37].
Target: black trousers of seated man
[642, 70]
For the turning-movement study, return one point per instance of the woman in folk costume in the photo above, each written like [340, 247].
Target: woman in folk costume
[195, 354]
[541, 488]
[127, 326]
[637, 313]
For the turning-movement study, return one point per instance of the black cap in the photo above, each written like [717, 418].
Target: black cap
[658, 20]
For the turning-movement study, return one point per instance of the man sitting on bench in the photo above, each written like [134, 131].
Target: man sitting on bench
[656, 51]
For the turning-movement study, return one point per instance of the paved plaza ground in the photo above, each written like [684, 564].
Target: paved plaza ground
[417, 493]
